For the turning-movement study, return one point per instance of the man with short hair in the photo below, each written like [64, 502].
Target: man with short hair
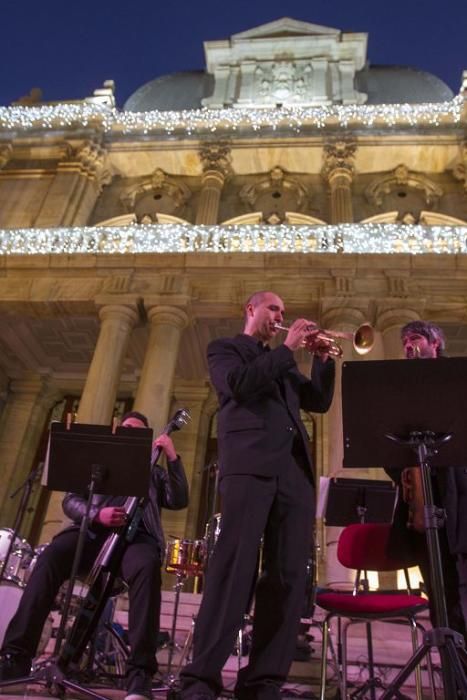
[140, 568]
[425, 340]
[267, 490]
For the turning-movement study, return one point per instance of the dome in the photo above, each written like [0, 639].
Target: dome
[176, 91]
[399, 84]
[382, 84]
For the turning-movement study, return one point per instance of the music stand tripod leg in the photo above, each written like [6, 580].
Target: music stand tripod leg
[449, 643]
[50, 672]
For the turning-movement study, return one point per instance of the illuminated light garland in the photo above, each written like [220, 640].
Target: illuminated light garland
[197, 121]
[257, 238]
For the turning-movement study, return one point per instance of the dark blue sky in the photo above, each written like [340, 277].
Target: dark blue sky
[68, 48]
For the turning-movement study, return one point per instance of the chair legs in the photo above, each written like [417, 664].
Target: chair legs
[342, 647]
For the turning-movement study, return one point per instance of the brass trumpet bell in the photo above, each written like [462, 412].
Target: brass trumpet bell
[363, 339]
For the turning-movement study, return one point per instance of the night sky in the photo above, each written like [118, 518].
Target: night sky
[69, 48]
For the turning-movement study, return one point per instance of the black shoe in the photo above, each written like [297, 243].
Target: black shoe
[13, 666]
[139, 684]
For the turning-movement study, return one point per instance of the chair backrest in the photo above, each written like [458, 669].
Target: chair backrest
[365, 547]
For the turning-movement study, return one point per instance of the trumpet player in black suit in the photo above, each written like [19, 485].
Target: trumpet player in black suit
[267, 490]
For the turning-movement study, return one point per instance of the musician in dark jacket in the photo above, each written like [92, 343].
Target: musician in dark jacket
[425, 340]
[267, 488]
[140, 569]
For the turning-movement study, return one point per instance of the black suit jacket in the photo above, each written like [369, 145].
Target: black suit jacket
[260, 396]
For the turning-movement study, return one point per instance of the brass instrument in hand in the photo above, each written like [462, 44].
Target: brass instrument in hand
[362, 339]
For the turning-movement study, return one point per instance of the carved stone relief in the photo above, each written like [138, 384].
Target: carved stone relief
[401, 183]
[275, 195]
[157, 194]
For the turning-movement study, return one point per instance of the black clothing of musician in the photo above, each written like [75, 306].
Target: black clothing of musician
[140, 569]
[267, 489]
[425, 340]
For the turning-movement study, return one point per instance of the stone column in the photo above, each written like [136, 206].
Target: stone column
[154, 393]
[100, 389]
[216, 166]
[28, 404]
[346, 320]
[338, 171]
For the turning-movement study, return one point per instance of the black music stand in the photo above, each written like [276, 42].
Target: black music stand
[407, 407]
[359, 501]
[89, 459]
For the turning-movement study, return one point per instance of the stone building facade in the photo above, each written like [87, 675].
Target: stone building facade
[131, 237]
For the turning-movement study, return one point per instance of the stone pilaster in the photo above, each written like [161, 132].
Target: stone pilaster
[190, 443]
[27, 407]
[338, 171]
[77, 183]
[203, 405]
[101, 386]
[216, 167]
[154, 393]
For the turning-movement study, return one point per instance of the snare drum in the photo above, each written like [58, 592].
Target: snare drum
[185, 556]
[19, 559]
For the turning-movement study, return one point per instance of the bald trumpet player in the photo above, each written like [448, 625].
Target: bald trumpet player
[267, 489]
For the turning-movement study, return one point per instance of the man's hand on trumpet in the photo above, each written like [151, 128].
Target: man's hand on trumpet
[306, 334]
[317, 345]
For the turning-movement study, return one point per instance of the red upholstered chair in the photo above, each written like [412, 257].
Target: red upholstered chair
[363, 547]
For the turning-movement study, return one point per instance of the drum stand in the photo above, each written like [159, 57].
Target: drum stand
[26, 488]
[170, 677]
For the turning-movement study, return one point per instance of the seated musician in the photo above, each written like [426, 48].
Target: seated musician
[425, 340]
[140, 569]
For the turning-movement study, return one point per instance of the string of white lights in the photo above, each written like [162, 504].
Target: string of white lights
[64, 115]
[258, 238]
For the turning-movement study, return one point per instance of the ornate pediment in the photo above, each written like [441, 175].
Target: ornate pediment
[286, 26]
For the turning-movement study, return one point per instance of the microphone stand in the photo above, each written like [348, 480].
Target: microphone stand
[26, 488]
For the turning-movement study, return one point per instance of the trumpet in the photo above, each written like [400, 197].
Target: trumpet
[362, 339]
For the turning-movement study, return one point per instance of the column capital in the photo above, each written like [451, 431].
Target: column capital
[192, 392]
[118, 312]
[395, 318]
[216, 158]
[334, 318]
[171, 315]
[32, 384]
[339, 157]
